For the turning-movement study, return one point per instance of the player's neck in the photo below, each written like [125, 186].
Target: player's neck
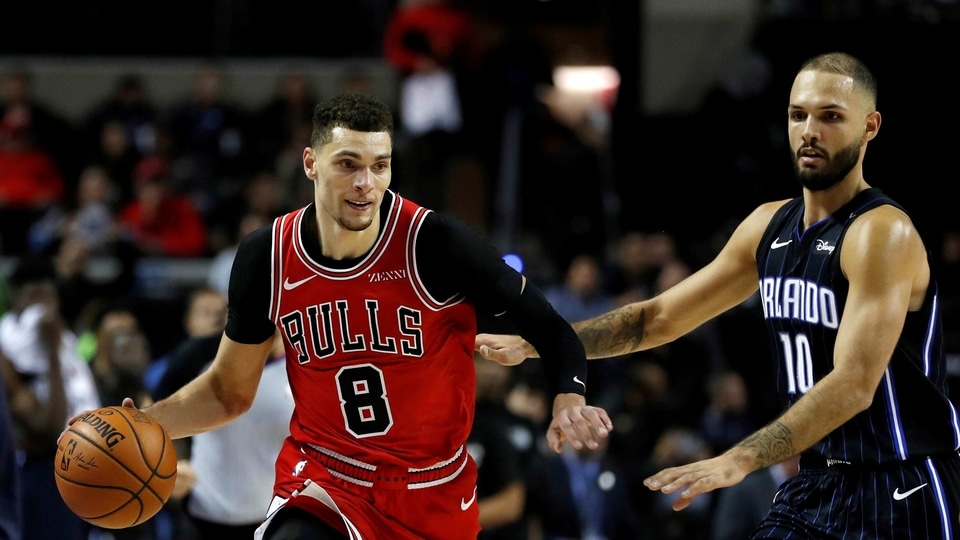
[821, 204]
[339, 243]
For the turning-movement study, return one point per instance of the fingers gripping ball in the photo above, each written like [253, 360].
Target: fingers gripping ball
[115, 467]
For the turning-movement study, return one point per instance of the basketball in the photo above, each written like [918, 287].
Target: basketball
[115, 467]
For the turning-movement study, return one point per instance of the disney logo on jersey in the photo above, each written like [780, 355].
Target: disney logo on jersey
[823, 245]
[799, 299]
[389, 275]
[321, 330]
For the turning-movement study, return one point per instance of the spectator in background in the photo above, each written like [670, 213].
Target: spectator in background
[430, 44]
[130, 107]
[502, 444]
[261, 194]
[48, 127]
[47, 383]
[160, 221]
[645, 412]
[121, 358]
[10, 500]
[88, 218]
[581, 295]
[728, 418]
[294, 187]
[639, 257]
[203, 323]
[30, 180]
[209, 143]
[273, 124]
[113, 151]
[581, 494]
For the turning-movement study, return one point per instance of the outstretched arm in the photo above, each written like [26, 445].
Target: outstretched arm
[723, 283]
[885, 262]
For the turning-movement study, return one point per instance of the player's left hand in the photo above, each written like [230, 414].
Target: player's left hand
[506, 350]
[577, 422]
[697, 478]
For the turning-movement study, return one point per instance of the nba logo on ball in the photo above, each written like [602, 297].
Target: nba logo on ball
[115, 467]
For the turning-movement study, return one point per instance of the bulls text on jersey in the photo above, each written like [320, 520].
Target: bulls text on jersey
[317, 333]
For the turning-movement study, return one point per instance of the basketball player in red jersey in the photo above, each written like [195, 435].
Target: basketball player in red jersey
[377, 300]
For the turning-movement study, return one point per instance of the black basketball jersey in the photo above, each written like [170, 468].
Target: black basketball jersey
[803, 293]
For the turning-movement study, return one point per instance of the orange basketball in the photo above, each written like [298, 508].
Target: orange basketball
[115, 467]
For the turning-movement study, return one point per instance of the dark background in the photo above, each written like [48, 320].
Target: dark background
[911, 45]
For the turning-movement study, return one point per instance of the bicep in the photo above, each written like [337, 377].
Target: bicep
[882, 260]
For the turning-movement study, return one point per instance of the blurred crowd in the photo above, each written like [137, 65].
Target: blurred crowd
[82, 203]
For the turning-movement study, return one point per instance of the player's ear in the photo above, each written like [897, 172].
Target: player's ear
[872, 126]
[309, 161]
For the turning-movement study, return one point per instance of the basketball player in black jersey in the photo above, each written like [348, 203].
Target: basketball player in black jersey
[850, 303]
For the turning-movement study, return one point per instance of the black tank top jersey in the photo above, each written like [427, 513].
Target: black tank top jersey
[803, 293]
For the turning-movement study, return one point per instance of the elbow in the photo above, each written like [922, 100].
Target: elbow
[237, 405]
[858, 399]
[234, 402]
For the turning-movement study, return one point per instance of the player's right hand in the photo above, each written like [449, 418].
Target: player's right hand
[506, 350]
[127, 402]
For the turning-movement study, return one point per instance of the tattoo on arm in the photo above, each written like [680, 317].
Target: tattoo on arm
[772, 444]
[611, 334]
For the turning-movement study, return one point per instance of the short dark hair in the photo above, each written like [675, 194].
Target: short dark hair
[354, 111]
[846, 64]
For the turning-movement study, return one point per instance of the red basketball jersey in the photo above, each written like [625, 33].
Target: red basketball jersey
[380, 371]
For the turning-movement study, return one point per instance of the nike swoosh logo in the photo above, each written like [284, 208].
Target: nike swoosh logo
[897, 496]
[778, 244]
[576, 379]
[291, 286]
[466, 504]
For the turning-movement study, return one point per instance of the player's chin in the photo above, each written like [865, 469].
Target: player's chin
[356, 224]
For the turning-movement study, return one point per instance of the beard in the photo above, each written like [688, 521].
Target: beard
[836, 168]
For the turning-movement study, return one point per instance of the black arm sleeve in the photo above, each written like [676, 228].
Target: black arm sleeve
[248, 306]
[455, 259]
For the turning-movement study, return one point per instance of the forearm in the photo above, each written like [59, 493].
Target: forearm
[823, 409]
[615, 333]
[200, 405]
